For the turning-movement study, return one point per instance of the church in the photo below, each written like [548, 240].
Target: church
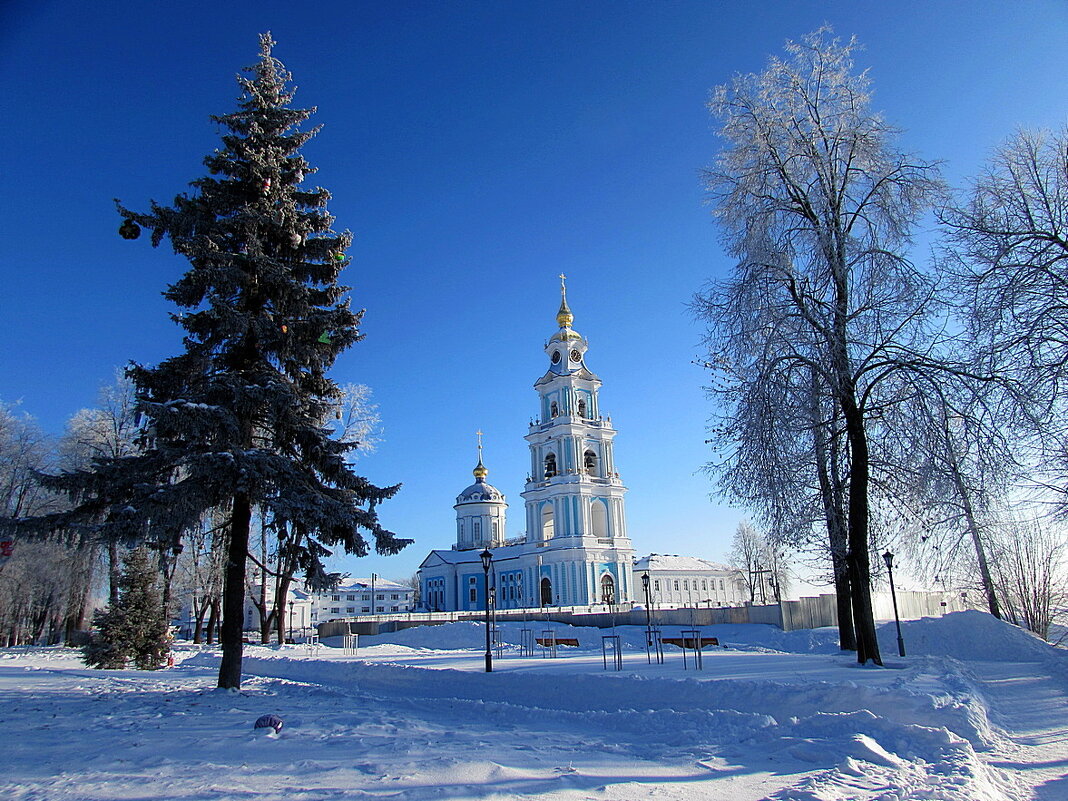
[576, 550]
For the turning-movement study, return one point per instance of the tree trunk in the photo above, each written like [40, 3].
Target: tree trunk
[265, 621]
[973, 530]
[834, 516]
[213, 621]
[234, 594]
[859, 562]
[198, 626]
[114, 573]
[280, 605]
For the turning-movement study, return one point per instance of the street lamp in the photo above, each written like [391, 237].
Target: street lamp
[645, 586]
[487, 558]
[889, 559]
[290, 620]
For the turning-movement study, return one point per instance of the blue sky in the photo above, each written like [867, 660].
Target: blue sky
[476, 150]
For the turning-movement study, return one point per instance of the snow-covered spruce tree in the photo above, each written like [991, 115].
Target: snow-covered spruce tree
[240, 417]
[134, 629]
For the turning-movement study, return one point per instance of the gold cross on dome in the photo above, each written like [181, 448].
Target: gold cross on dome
[479, 440]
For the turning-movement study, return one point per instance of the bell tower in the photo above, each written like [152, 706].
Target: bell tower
[574, 495]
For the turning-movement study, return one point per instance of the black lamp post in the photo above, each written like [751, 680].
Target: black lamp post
[645, 586]
[487, 559]
[291, 620]
[889, 559]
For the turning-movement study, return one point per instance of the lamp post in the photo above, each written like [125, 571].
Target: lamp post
[291, 620]
[889, 559]
[487, 559]
[648, 616]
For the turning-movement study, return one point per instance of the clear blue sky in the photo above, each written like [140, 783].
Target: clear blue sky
[476, 150]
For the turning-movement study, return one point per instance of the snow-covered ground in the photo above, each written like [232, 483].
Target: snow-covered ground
[976, 711]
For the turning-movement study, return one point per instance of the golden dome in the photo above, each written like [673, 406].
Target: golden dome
[480, 471]
[564, 317]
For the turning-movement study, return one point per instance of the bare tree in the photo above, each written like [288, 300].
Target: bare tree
[747, 547]
[1008, 239]
[1030, 568]
[108, 431]
[817, 206]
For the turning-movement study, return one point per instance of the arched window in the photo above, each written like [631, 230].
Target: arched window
[554, 410]
[476, 531]
[548, 524]
[582, 407]
[608, 589]
[589, 460]
[599, 519]
[546, 592]
[550, 465]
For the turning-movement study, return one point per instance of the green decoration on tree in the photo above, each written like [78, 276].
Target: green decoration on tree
[325, 339]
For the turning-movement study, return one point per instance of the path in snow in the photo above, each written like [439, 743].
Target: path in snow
[1032, 707]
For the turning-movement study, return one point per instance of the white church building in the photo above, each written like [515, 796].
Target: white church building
[576, 550]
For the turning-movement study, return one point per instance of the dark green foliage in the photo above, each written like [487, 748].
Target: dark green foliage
[240, 417]
[133, 630]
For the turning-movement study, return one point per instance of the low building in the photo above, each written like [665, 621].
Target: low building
[361, 597]
[690, 581]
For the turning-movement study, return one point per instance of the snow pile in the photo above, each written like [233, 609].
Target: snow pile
[418, 718]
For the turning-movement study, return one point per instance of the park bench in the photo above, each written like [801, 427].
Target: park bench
[689, 642]
[546, 641]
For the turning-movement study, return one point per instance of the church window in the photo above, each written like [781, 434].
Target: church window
[704, 584]
[582, 407]
[476, 530]
[548, 523]
[554, 410]
[721, 585]
[676, 585]
[599, 519]
[608, 590]
[685, 584]
[474, 595]
[656, 585]
[589, 459]
[350, 597]
[550, 465]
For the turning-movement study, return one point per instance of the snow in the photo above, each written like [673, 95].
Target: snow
[974, 712]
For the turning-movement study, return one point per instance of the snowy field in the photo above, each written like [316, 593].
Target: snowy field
[977, 711]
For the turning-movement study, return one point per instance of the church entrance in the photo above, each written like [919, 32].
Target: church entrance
[608, 589]
[546, 592]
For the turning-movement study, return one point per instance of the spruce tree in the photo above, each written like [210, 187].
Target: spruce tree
[134, 629]
[239, 418]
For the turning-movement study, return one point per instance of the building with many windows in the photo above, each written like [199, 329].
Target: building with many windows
[689, 581]
[362, 597]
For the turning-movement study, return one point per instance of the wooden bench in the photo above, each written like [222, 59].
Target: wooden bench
[689, 642]
[546, 641]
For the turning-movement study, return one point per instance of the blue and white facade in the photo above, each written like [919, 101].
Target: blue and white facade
[576, 550]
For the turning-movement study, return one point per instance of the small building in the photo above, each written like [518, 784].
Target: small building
[362, 597]
[688, 581]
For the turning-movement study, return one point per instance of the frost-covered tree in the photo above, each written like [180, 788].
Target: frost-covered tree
[238, 419]
[109, 431]
[816, 203]
[135, 628]
[1008, 239]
